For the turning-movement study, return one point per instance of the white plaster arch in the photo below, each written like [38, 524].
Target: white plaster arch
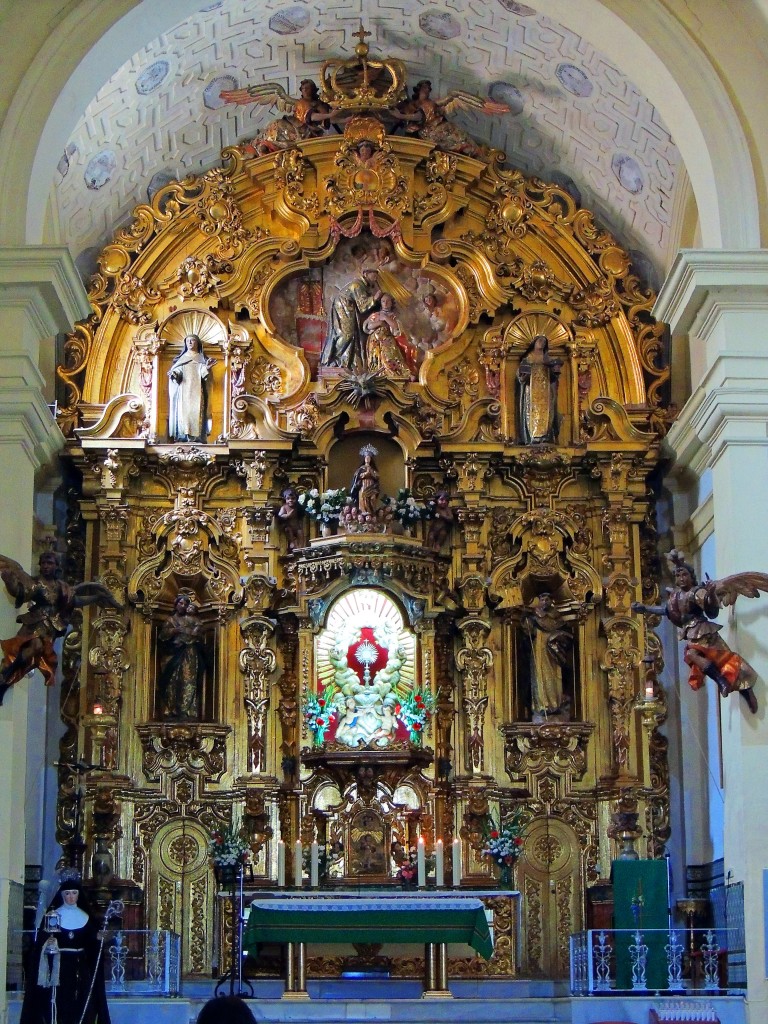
[645, 40]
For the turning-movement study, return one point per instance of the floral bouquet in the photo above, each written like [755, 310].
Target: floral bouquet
[318, 712]
[324, 508]
[327, 856]
[415, 712]
[503, 844]
[406, 509]
[407, 861]
[227, 848]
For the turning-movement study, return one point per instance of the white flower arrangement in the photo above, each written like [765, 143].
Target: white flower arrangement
[503, 844]
[326, 507]
[227, 848]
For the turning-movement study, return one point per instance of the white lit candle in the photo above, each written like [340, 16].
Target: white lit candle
[421, 863]
[314, 865]
[649, 691]
[456, 863]
[297, 866]
[439, 867]
[280, 864]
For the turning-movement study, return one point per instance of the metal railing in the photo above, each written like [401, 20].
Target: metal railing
[139, 961]
[642, 960]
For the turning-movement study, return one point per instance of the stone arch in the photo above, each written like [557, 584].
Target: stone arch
[646, 42]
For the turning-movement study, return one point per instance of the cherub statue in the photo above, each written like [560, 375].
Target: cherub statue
[305, 118]
[441, 524]
[291, 519]
[427, 118]
[691, 606]
[52, 603]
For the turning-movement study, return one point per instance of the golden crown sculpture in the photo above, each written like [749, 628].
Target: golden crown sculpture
[360, 84]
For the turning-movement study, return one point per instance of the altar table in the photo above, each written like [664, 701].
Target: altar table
[435, 921]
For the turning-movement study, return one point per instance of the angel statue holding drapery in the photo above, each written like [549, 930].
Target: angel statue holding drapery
[304, 118]
[691, 606]
[52, 602]
[427, 118]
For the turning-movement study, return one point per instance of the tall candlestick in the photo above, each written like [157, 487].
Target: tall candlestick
[297, 865]
[280, 864]
[439, 867]
[314, 865]
[456, 853]
[421, 863]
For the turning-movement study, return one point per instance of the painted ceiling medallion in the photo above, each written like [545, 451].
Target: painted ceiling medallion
[152, 77]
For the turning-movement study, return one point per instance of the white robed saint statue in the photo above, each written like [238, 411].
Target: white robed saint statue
[189, 378]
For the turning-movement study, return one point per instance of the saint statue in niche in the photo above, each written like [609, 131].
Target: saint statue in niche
[345, 344]
[538, 375]
[551, 642]
[189, 378]
[182, 677]
[364, 489]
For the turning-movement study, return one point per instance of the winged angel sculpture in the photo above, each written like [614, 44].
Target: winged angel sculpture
[691, 606]
[427, 118]
[304, 118]
[52, 603]
[309, 117]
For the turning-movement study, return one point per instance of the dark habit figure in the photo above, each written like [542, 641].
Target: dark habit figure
[65, 980]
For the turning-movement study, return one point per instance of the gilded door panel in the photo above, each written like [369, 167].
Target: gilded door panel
[548, 877]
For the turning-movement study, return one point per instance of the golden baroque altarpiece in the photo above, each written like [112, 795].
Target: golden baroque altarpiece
[364, 290]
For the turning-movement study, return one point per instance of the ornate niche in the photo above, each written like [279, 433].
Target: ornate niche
[367, 719]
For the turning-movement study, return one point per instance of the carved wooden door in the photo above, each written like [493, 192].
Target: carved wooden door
[547, 875]
[182, 892]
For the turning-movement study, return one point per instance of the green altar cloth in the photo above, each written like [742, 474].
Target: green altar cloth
[385, 920]
[645, 883]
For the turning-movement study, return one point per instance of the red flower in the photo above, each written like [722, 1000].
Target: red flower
[518, 841]
[494, 834]
[321, 703]
[321, 721]
[419, 701]
[219, 840]
[398, 709]
[417, 726]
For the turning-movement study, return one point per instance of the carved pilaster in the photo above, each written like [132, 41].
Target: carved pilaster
[620, 661]
[257, 662]
[108, 657]
[474, 662]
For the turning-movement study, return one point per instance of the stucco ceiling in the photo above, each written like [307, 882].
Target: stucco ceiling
[575, 118]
